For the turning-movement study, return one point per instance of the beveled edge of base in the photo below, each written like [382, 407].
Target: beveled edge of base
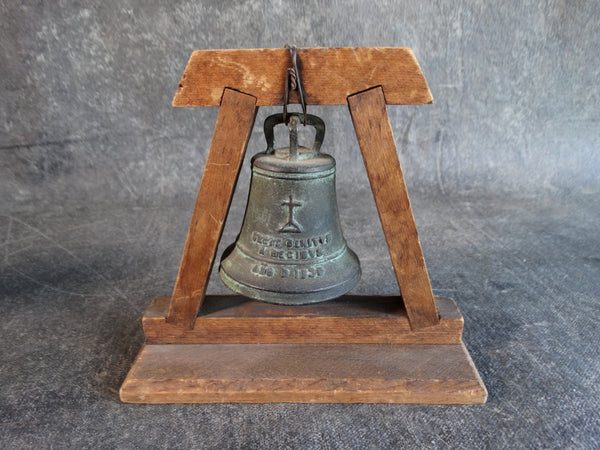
[469, 391]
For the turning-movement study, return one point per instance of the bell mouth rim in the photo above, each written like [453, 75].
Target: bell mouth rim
[292, 298]
[296, 293]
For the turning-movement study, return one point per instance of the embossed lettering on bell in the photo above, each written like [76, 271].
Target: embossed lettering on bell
[291, 249]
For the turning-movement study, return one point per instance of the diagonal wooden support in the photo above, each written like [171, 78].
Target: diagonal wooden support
[376, 140]
[227, 150]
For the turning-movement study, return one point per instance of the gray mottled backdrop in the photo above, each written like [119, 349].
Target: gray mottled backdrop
[86, 91]
[98, 176]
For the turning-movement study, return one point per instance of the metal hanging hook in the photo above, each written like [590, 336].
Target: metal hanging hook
[293, 82]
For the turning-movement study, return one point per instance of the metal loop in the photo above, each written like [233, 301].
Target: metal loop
[307, 119]
[293, 82]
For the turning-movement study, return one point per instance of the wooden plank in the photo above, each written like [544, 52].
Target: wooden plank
[349, 319]
[376, 140]
[311, 373]
[329, 75]
[225, 156]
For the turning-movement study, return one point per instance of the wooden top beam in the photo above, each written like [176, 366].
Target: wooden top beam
[329, 75]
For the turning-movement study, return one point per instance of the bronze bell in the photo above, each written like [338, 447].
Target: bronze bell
[290, 249]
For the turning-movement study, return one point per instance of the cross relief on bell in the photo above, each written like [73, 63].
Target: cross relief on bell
[291, 226]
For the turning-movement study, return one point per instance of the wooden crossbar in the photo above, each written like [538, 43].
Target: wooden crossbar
[329, 75]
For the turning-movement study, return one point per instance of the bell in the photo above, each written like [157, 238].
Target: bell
[290, 249]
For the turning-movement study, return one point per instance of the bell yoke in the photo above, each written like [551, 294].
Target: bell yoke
[291, 249]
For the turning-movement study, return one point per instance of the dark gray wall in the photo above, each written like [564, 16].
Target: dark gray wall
[86, 86]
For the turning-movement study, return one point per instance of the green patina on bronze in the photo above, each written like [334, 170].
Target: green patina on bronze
[290, 249]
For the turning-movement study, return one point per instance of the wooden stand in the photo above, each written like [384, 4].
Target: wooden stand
[202, 349]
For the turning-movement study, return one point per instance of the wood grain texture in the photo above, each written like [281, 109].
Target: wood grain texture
[376, 141]
[226, 153]
[329, 75]
[312, 373]
[349, 319]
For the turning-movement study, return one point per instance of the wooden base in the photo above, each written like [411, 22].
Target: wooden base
[349, 319]
[308, 373]
[350, 350]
